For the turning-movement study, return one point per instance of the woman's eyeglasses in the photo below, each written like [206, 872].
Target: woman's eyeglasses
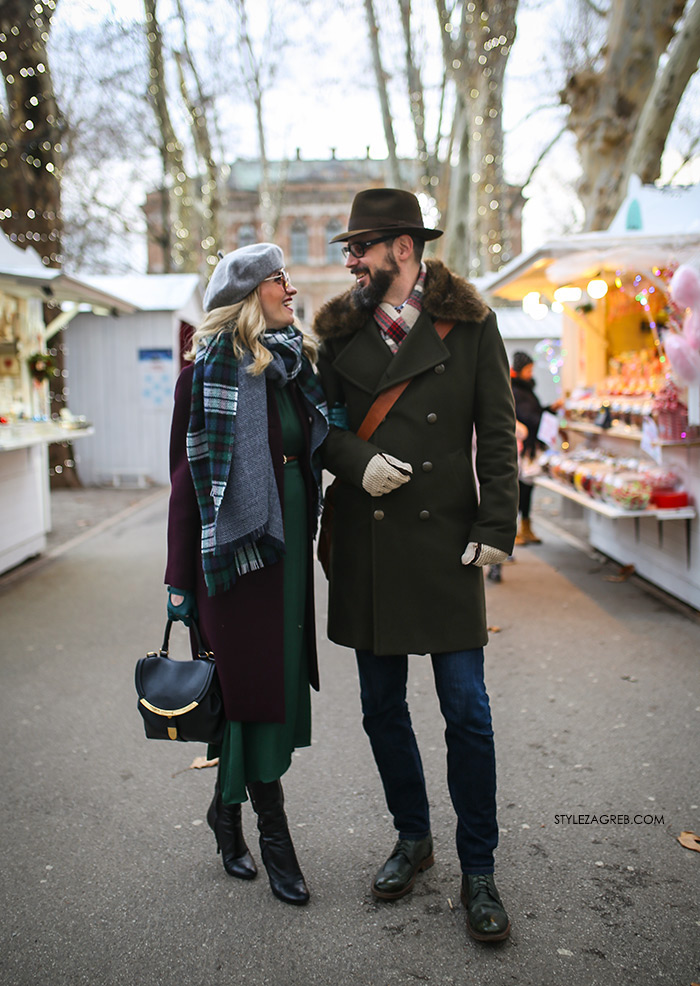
[359, 249]
[281, 278]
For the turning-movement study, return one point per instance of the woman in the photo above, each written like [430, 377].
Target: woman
[528, 410]
[248, 420]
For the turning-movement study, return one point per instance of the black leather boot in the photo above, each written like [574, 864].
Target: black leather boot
[225, 822]
[286, 879]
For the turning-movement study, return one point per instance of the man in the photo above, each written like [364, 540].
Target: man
[412, 530]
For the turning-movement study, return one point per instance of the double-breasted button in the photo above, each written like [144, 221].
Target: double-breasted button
[427, 467]
[424, 515]
[379, 515]
[431, 418]
[440, 368]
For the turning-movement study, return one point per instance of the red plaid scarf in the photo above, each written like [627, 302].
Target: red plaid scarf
[394, 328]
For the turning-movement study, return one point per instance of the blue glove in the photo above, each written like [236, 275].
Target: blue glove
[184, 611]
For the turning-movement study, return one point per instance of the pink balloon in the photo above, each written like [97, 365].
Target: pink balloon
[685, 287]
[685, 360]
[691, 328]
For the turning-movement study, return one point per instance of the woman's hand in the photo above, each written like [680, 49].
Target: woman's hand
[182, 605]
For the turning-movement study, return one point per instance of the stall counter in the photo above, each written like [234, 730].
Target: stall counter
[662, 545]
[25, 504]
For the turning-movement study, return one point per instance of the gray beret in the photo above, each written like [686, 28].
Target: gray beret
[240, 272]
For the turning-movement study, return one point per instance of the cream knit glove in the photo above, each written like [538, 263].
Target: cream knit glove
[384, 473]
[482, 554]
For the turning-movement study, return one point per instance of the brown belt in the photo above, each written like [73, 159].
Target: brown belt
[289, 458]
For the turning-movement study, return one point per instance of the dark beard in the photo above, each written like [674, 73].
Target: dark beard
[372, 294]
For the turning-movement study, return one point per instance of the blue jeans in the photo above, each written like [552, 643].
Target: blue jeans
[471, 761]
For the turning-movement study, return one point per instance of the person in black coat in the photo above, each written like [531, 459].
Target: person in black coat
[528, 410]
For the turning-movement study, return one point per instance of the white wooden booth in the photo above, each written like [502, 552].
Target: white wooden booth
[26, 426]
[122, 372]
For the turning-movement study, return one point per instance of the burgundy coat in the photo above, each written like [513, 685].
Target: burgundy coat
[243, 626]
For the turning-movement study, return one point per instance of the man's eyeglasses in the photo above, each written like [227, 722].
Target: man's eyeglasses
[359, 249]
[282, 278]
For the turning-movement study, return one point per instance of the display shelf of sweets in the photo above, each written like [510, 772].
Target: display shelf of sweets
[622, 400]
[616, 487]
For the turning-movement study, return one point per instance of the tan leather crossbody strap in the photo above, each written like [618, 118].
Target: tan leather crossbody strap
[386, 400]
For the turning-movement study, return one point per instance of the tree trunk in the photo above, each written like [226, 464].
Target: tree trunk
[415, 89]
[270, 195]
[185, 256]
[199, 126]
[394, 173]
[30, 163]
[605, 105]
[476, 54]
[458, 237]
[30, 172]
[660, 107]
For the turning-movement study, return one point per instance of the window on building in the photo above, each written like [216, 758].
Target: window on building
[334, 251]
[299, 243]
[246, 235]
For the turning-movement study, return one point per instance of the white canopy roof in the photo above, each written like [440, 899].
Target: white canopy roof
[24, 275]
[150, 292]
[580, 257]
[653, 228]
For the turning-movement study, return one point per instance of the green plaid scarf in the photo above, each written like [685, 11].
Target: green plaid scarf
[229, 455]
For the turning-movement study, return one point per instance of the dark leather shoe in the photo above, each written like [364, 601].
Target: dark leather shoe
[486, 916]
[225, 822]
[398, 874]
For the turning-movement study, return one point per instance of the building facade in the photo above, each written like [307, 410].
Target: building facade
[312, 201]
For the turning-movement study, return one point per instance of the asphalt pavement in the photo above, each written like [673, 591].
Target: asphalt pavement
[109, 870]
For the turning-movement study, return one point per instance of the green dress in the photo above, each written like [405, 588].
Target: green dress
[262, 751]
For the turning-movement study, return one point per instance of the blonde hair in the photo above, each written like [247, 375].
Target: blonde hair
[246, 324]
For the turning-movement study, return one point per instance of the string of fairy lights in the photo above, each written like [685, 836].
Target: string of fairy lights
[37, 144]
[480, 45]
[35, 147]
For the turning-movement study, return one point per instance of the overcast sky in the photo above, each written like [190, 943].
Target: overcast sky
[325, 96]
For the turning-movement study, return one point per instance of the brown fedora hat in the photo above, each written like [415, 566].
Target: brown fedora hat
[386, 210]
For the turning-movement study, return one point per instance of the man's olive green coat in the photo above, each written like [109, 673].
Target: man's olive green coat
[397, 584]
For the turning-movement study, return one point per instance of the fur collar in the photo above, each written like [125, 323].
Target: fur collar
[445, 296]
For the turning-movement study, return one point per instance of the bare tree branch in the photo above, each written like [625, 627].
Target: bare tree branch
[543, 154]
[596, 9]
[660, 107]
[416, 97]
[394, 176]
[260, 74]
[605, 103]
[687, 157]
[179, 251]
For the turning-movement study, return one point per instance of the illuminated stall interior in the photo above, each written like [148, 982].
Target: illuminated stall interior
[627, 409]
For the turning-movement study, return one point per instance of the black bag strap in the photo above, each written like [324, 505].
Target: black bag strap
[202, 652]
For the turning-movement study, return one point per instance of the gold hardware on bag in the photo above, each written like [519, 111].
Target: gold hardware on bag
[172, 733]
[169, 713]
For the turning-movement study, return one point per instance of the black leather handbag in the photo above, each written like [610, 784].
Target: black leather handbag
[180, 700]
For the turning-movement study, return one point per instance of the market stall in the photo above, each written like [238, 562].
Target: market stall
[27, 370]
[629, 453]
